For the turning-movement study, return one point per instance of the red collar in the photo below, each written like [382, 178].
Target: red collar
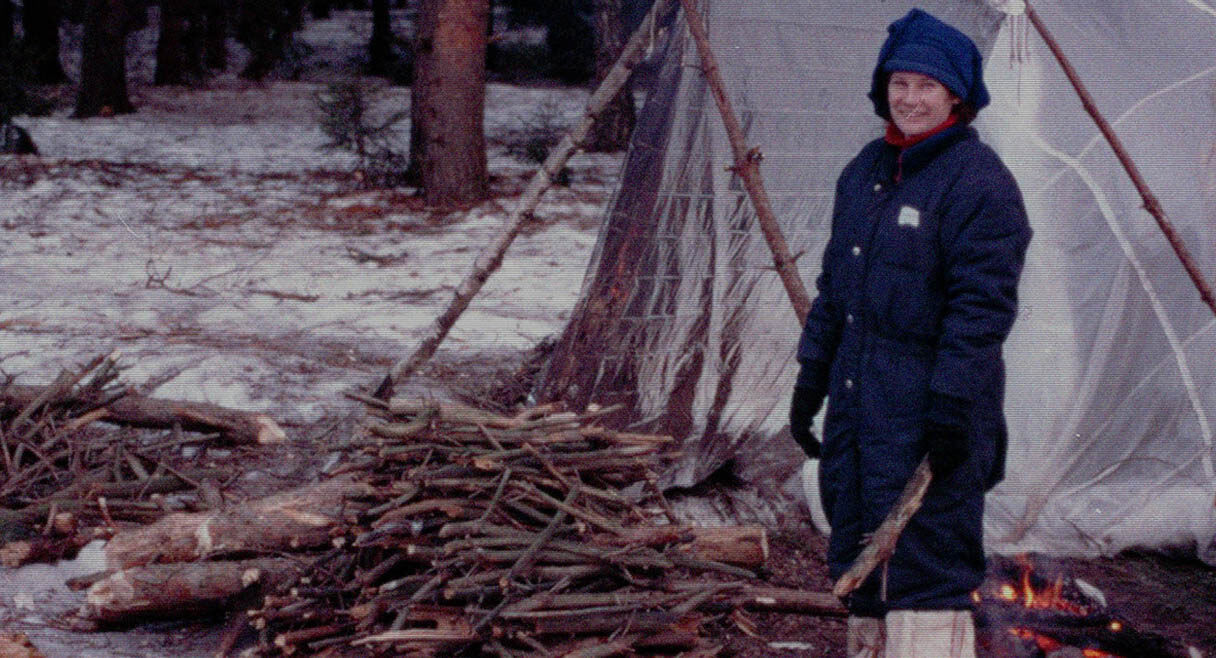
[896, 137]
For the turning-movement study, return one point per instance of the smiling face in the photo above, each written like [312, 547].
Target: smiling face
[918, 102]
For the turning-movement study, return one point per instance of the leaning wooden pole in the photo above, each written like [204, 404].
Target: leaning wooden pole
[1151, 204]
[490, 258]
[747, 167]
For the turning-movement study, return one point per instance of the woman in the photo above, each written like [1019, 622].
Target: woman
[917, 294]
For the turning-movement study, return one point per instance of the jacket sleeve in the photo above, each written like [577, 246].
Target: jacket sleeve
[821, 330]
[984, 246]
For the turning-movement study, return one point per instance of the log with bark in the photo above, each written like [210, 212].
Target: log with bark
[298, 519]
[177, 590]
[134, 410]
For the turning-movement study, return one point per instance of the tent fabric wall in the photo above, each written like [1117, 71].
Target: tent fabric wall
[1112, 393]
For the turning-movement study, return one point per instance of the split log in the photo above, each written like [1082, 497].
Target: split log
[179, 590]
[297, 519]
[140, 411]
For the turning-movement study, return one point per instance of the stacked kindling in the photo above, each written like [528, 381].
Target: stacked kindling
[64, 466]
[509, 535]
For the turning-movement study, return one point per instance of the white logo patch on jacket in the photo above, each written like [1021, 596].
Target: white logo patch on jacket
[908, 216]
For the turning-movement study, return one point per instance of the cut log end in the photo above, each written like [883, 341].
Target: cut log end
[269, 432]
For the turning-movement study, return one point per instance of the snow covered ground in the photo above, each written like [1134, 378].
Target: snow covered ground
[212, 240]
[230, 258]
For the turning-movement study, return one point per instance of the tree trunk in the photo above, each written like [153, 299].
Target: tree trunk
[179, 57]
[421, 49]
[170, 67]
[450, 83]
[380, 47]
[6, 24]
[40, 21]
[613, 128]
[103, 65]
[266, 28]
[215, 35]
[490, 258]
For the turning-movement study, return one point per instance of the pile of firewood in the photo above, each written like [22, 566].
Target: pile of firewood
[454, 531]
[71, 461]
[516, 536]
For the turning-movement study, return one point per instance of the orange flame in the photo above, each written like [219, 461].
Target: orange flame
[1048, 597]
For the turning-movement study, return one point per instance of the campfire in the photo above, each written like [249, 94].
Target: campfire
[1023, 611]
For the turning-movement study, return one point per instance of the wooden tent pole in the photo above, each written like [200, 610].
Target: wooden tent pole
[490, 258]
[1151, 204]
[747, 167]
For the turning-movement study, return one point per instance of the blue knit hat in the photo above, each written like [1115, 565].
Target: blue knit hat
[920, 43]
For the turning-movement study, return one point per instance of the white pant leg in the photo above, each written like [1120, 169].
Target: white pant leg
[930, 634]
[866, 637]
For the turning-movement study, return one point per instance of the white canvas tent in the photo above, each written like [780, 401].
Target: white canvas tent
[1112, 363]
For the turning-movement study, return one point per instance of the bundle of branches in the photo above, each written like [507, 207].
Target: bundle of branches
[541, 533]
[62, 470]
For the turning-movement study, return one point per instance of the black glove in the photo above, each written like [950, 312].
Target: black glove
[806, 404]
[946, 434]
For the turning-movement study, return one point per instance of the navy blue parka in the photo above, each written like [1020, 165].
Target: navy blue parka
[917, 293]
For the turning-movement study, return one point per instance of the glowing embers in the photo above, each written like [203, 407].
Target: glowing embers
[1021, 612]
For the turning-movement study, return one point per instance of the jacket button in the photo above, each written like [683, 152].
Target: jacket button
[848, 383]
[877, 187]
[849, 318]
[856, 250]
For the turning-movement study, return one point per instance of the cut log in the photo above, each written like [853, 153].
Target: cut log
[17, 645]
[40, 549]
[779, 599]
[296, 519]
[141, 411]
[162, 591]
[743, 546]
